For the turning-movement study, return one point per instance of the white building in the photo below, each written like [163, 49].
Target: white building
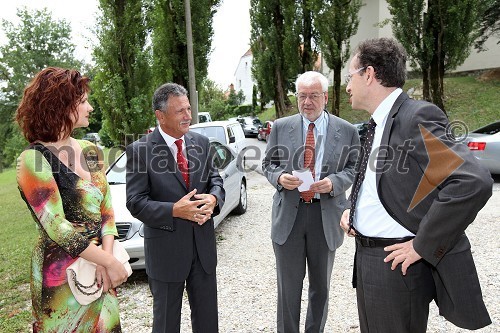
[243, 77]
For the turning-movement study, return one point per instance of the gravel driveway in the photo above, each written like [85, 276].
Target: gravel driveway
[247, 283]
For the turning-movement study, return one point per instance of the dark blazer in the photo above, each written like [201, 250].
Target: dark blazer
[154, 184]
[284, 153]
[457, 187]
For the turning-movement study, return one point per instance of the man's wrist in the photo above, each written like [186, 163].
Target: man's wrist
[174, 210]
[278, 185]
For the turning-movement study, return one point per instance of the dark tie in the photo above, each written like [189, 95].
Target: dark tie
[367, 147]
[182, 162]
[309, 159]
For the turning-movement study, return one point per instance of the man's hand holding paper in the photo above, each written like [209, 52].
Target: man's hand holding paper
[306, 177]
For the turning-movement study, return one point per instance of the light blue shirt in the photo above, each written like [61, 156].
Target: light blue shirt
[320, 128]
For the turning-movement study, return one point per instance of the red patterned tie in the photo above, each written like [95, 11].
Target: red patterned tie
[309, 159]
[182, 162]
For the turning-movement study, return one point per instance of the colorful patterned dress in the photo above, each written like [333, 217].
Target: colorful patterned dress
[70, 212]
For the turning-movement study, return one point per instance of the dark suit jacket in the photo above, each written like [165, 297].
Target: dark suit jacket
[284, 153]
[154, 184]
[456, 193]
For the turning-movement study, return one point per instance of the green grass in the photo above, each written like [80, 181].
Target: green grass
[16, 242]
[467, 99]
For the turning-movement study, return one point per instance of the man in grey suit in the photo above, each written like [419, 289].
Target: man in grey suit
[411, 205]
[305, 224]
[173, 187]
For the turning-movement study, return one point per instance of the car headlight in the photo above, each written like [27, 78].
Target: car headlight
[141, 230]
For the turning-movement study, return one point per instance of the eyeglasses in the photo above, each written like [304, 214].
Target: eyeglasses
[313, 97]
[349, 75]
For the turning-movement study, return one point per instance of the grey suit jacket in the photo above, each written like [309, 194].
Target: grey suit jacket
[284, 153]
[455, 194]
[154, 184]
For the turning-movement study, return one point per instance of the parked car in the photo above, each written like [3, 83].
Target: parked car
[249, 124]
[264, 131]
[92, 137]
[130, 229]
[484, 144]
[228, 132]
[204, 117]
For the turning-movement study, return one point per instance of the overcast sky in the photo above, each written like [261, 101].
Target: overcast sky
[231, 30]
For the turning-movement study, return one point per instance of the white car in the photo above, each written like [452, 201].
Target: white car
[92, 137]
[228, 132]
[130, 229]
[204, 117]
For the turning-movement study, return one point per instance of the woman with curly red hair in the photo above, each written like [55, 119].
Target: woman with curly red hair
[66, 190]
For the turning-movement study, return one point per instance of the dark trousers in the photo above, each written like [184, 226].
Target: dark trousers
[306, 243]
[202, 294]
[388, 301]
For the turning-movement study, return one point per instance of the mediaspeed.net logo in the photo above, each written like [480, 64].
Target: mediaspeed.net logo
[443, 161]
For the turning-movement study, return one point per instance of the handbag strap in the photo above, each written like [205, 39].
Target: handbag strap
[82, 288]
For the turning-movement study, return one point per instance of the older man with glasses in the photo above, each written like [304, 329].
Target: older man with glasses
[305, 221]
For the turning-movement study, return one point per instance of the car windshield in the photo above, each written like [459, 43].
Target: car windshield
[117, 174]
[216, 132]
[489, 129]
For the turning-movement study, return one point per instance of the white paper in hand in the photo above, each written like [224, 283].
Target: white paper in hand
[306, 177]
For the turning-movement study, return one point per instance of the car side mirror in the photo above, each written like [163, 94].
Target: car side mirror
[232, 139]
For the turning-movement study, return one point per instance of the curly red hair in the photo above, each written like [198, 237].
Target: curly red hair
[48, 109]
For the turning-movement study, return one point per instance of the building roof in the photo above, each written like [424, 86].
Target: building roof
[247, 53]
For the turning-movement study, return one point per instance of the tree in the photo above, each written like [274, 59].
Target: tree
[275, 46]
[336, 21]
[235, 98]
[490, 23]
[169, 40]
[254, 97]
[212, 100]
[308, 53]
[122, 84]
[35, 43]
[438, 37]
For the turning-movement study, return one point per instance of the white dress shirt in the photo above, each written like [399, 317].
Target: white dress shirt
[370, 218]
[170, 141]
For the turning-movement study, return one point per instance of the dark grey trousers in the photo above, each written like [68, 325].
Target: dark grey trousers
[306, 243]
[388, 301]
[202, 294]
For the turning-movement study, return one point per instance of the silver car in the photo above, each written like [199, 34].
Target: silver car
[130, 229]
[484, 144]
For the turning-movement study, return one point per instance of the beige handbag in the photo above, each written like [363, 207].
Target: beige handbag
[81, 275]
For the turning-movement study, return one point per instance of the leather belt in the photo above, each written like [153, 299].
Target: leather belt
[380, 242]
[313, 200]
